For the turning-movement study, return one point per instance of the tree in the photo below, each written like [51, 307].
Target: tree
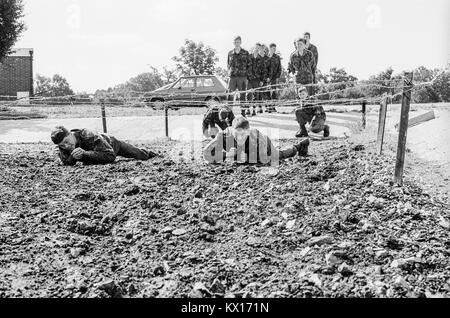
[442, 85]
[52, 87]
[196, 59]
[222, 73]
[42, 85]
[60, 86]
[169, 75]
[11, 25]
[343, 81]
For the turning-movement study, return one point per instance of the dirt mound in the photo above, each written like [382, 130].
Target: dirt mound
[328, 225]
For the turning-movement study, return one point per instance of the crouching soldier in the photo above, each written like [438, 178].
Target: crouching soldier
[93, 148]
[221, 116]
[309, 113]
[244, 145]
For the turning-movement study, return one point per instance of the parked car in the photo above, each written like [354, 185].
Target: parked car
[198, 90]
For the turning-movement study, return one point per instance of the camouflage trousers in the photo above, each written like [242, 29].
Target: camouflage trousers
[303, 118]
[124, 149]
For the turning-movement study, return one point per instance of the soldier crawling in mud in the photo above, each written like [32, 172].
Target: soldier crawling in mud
[93, 148]
[221, 116]
[310, 113]
[242, 144]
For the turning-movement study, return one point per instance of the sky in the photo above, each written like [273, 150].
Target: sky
[98, 44]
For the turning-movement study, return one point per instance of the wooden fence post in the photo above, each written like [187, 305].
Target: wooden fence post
[364, 110]
[166, 118]
[104, 117]
[381, 124]
[403, 129]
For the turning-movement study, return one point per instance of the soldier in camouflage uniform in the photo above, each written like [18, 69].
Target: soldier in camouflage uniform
[311, 47]
[221, 116]
[238, 67]
[93, 148]
[255, 76]
[309, 113]
[301, 63]
[274, 74]
[242, 144]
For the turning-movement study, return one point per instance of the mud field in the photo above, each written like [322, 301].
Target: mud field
[329, 225]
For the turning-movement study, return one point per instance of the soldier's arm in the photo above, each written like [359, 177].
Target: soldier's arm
[290, 67]
[206, 120]
[229, 61]
[101, 154]
[214, 150]
[231, 117]
[66, 158]
[316, 56]
[278, 73]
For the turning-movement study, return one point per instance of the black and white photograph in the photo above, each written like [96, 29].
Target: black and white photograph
[220, 155]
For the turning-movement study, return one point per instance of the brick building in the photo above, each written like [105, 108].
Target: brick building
[16, 74]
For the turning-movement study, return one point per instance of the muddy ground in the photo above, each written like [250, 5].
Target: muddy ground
[329, 225]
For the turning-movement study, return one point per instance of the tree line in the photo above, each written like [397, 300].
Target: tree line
[197, 58]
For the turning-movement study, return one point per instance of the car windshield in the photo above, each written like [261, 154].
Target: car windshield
[165, 87]
[222, 82]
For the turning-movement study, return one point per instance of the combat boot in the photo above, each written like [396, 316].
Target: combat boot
[301, 133]
[326, 131]
[302, 147]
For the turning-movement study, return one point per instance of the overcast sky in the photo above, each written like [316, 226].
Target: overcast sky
[96, 44]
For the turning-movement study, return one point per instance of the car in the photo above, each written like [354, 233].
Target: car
[197, 90]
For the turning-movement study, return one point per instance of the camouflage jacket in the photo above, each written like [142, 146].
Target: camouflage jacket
[100, 148]
[211, 118]
[238, 63]
[315, 53]
[258, 68]
[274, 67]
[258, 148]
[314, 111]
[302, 66]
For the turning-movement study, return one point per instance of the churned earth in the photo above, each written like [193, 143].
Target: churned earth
[329, 225]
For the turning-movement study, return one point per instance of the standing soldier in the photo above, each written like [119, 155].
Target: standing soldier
[301, 63]
[264, 95]
[311, 47]
[254, 77]
[274, 74]
[238, 67]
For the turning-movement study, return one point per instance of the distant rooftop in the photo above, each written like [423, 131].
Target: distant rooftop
[21, 52]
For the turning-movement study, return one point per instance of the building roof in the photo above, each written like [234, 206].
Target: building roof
[21, 52]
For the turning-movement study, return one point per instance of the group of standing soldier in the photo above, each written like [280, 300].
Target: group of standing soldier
[259, 74]
[258, 71]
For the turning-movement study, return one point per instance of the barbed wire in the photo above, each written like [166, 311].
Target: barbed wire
[311, 99]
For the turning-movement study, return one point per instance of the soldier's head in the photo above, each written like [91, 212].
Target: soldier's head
[301, 44]
[263, 50]
[307, 37]
[224, 112]
[241, 129]
[256, 48]
[63, 138]
[302, 93]
[237, 42]
[295, 42]
[273, 48]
